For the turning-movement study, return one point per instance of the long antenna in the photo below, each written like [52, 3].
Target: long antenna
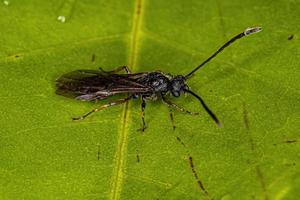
[211, 114]
[247, 32]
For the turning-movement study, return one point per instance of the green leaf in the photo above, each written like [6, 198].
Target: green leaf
[253, 87]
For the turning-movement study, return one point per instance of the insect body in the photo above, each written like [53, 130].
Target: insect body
[90, 85]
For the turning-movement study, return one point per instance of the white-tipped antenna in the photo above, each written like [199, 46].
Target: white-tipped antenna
[253, 30]
[247, 32]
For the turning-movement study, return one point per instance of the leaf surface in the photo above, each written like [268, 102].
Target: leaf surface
[253, 87]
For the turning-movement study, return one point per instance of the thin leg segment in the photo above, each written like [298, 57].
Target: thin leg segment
[172, 119]
[113, 103]
[118, 69]
[143, 106]
[177, 107]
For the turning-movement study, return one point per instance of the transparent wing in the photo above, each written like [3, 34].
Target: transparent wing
[88, 85]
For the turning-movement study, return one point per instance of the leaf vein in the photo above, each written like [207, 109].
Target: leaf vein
[118, 171]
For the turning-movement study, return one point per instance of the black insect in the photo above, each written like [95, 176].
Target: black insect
[90, 85]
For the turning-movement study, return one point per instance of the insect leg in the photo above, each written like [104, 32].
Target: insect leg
[143, 106]
[177, 107]
[113, 103]
[172, 119]
[124, 68]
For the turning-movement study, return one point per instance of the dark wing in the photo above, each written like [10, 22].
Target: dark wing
[88, 85]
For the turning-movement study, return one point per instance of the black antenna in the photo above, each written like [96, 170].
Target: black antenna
[247, 32]
[211, 114]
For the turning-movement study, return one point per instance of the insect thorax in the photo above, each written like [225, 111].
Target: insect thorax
[158, 81]
[162, 84]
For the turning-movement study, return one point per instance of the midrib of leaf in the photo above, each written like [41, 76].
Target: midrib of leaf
[119, 163]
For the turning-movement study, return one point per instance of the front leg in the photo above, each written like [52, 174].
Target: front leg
[177, 107]
[143, 106]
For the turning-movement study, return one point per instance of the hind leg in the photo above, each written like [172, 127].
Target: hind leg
[113, 103]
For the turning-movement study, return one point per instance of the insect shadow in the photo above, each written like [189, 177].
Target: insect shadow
[91, 85]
